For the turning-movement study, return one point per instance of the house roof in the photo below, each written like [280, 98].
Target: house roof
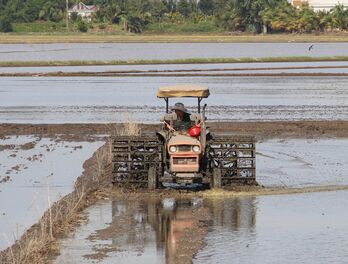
[81, 7]
[184, 90]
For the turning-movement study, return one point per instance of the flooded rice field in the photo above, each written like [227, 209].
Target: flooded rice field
[35, 172]
[302, 162]
[240, 230]
[163, 51]
[248, 68]
[180, 228]
[108, 99]
[311, 228]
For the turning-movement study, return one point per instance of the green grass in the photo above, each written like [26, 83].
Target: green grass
[189, 27]
[177, 61]
[39, 27]
[115, 35]
[52, 28]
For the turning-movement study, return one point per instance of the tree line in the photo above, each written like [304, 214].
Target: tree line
[254, 16]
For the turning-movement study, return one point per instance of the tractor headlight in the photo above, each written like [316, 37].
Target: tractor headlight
[196, 149]
[173, 149]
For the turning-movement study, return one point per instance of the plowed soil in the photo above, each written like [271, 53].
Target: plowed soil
[261, 130]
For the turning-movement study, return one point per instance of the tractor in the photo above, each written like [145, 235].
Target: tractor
[184, 152]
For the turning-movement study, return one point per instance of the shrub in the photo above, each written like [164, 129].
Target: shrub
[82, 26]
[74, 16]
[102, 26]
[5, 24]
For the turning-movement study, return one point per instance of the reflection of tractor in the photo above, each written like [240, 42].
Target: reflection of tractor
[184, 154]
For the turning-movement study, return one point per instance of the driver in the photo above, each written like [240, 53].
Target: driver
[183, 121]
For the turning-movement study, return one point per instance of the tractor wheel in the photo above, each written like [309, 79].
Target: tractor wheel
[216, 180]
[152, 178]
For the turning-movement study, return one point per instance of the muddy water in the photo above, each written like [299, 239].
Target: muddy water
[306, 228]
[99, 100]
[302, 162]
[130, 231]
[162, 51]
[34, 175]
[267, 229]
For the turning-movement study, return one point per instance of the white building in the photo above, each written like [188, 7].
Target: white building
[85, 11]
[320, 4]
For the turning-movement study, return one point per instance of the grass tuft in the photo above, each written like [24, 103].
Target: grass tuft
[175, 61]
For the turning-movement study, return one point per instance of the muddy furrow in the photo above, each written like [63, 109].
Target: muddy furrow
[295, 129]
[174, 74]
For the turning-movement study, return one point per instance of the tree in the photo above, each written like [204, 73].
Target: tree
[206, 6]
[184, 7]
[134, 24]
[74, 16]
[5, 24]
[280, 18]
[158, 10]
[308, 20]
[340, 17]
[82, 26]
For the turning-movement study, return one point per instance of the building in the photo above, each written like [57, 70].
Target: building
[319, 4]
[85, 11]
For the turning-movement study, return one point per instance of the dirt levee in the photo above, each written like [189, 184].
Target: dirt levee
[39, 243]
[261, 130]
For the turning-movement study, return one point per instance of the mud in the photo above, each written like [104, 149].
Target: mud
[33, 176]
[39, 243]
[181, 227]
[337, 70]
[261, 130]
[336, 66]
[178, 226]
[140, 231]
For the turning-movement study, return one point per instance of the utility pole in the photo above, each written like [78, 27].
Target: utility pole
[67, 15]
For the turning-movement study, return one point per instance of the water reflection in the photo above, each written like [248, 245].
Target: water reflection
[233, 214]
[136, 223]
[314, 225]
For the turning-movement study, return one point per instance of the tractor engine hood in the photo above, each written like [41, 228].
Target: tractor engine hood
[179, 139]
[184, 153]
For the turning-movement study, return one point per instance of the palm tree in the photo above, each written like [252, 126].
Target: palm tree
[339, 17]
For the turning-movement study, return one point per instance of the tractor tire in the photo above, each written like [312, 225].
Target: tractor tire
[152, 178]
[216, 179]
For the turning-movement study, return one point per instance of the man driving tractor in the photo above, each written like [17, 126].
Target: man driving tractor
[183, 121]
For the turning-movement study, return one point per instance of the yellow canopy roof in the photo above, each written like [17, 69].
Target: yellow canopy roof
[185, 90]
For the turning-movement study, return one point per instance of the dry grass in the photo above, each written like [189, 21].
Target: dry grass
[39, 244]
[128, 128]
[172, 61]
[169, 38]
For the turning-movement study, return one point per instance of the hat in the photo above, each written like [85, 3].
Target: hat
[180, 107]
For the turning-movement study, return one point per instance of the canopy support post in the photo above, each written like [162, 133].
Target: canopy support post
[199, 104]
[167, 104]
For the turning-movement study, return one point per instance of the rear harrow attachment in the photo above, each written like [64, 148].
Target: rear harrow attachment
[132, 158]
[234, 156]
